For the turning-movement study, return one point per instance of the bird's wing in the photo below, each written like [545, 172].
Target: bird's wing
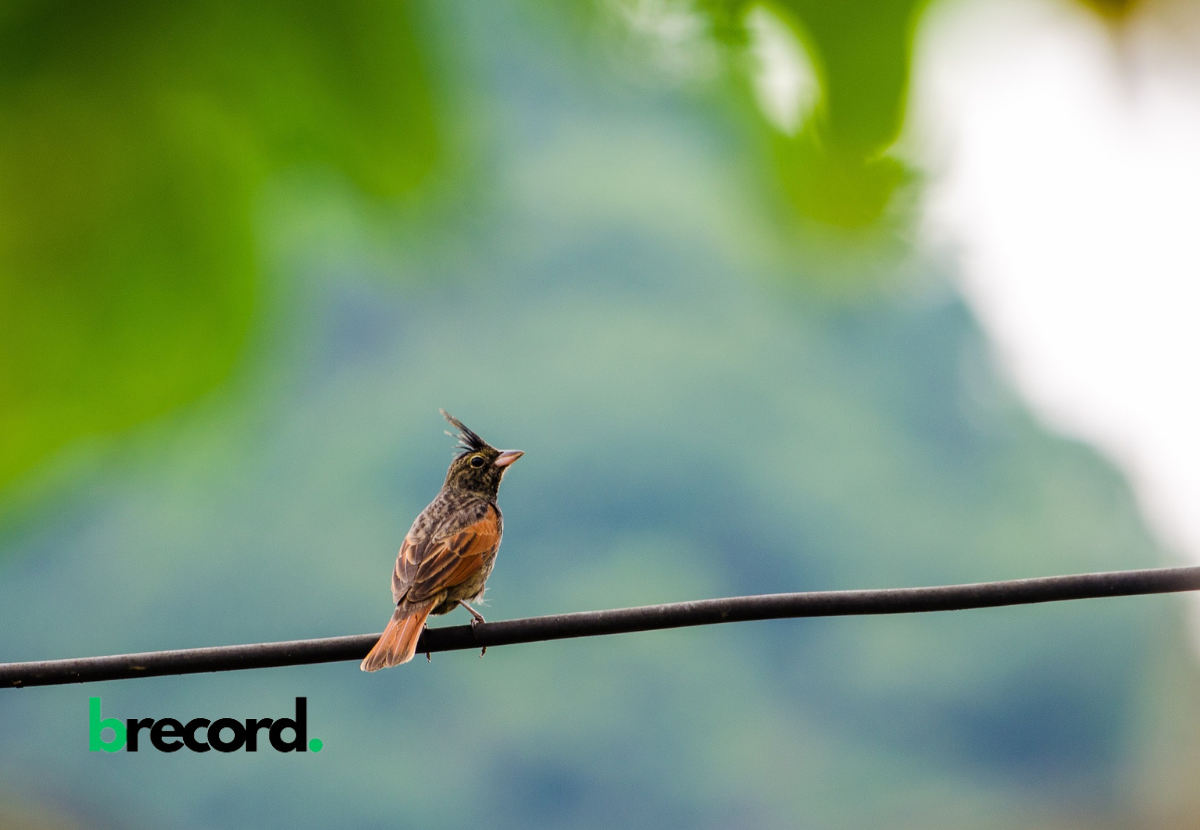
[445, 560]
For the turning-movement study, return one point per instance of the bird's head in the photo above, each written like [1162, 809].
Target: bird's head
[479, 466]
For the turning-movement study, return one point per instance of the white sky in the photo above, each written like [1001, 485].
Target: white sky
[785, 83]
[1066, 177]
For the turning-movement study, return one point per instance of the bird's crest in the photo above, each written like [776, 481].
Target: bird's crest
[468, 441]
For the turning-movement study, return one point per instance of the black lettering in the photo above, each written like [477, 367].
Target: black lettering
[299, 726]
[189, 735]
[252, 727]
[220, 744]
[132, 727]
[166, 728]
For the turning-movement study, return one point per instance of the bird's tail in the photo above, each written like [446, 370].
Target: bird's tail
[398, 643]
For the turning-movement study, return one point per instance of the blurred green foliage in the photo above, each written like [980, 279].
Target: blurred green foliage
[134, 141]
[835, 170]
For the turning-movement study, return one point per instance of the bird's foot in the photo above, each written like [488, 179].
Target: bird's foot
[476, 617]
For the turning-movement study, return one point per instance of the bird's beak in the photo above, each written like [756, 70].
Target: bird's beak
[507, 457]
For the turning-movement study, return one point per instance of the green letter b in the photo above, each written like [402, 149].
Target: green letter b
[97, 724]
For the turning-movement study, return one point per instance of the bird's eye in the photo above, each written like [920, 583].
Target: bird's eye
[477, 461]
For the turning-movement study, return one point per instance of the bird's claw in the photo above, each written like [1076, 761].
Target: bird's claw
[476, 620]
[476, 617]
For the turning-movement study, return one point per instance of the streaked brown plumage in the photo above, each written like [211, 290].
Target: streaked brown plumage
[450, 549]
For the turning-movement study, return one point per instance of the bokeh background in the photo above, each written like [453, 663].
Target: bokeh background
[775, 296]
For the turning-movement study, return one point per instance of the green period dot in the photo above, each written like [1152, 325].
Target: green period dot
[316, 745]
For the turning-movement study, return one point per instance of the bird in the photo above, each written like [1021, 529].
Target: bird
[449, 551]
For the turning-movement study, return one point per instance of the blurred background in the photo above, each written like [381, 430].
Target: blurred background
[775, 296]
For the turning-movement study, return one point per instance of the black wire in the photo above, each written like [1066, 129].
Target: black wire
[618, 621]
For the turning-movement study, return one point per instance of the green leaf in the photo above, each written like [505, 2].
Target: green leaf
[135, 139]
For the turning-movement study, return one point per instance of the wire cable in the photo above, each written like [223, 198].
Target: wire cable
[617, 621]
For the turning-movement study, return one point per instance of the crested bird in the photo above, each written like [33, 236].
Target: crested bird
[449, 551]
